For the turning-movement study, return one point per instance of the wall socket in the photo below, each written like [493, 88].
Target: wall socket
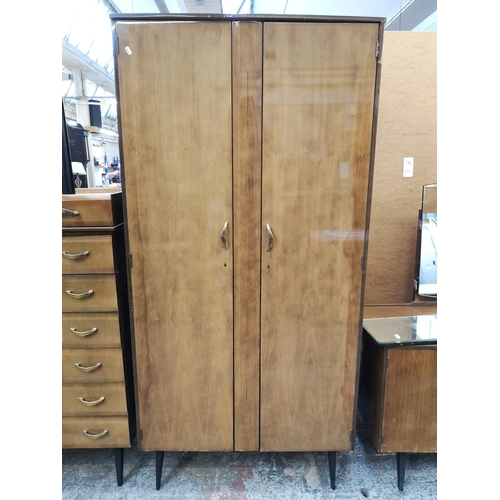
[408, 167]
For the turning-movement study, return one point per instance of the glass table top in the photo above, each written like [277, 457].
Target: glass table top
[403, 330]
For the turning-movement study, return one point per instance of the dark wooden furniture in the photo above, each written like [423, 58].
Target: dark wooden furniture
[247, 148]
[98, 408]
[400, 376]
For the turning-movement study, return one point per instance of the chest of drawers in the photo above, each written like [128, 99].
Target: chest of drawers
[97, 377]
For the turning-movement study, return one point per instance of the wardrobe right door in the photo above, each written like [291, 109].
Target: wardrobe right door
[318, 106]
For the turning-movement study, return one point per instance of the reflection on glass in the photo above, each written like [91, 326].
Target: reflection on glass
[427, 282]
[403, 330]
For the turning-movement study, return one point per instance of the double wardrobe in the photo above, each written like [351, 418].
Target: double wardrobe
[247, 147]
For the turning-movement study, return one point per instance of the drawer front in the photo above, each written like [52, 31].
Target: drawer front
[98, 399]
[87, 255]
[109, 370]
[117, 435]
[102, 299]
[92, 211]
[90, 330]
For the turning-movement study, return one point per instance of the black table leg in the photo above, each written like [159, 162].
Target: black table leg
[401, 463]
[119, 465]
[159, 467]
[332, 461]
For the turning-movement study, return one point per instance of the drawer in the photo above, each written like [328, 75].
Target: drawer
[87, 254]
[116, 435]
[92, 210]
[91, 330]
[102, 299]
[109, 370]
[105, 399]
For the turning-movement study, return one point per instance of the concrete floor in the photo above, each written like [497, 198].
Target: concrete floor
[361, 473]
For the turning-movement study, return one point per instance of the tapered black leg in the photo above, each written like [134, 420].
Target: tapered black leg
[401, 462]
[332, 461]
[159, 467]
[119, 465]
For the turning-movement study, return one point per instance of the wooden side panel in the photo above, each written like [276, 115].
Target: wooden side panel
[410, 414]
[247, 123]
[175, 99]
[318, 100]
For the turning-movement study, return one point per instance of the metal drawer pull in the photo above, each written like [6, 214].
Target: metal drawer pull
[83, 334]
[270, 237]
[66, 211]
[92, 403]
[79, 295]
[75, 256]
[223, 236]
[96, 436]
[88, 368]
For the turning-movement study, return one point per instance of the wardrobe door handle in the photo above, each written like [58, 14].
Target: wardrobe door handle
[270, 238]
[75, 256]
[67, 211]
[83, 334]
[88, 368]
[96, 436]
[79, 295]
[92, 403]
[223, 236]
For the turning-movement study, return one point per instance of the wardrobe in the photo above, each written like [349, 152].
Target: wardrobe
[247, 147]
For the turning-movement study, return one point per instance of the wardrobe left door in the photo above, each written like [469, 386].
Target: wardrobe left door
[174, 88]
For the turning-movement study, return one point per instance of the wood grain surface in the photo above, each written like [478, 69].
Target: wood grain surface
[318, 99]
[114, 402]
[247, 121]
[103, 298]
[98, 261]
[175, 95]
[107, 334]
[117, 436]
[111, 369]
[410, 410]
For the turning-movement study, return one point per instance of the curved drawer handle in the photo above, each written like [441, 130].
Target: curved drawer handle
[92, 403]
[83, 334]
[79, 295]
[270, 238]
[223, 236]
[88, 368]
[75, 256]
[67, 211]
[96, 436]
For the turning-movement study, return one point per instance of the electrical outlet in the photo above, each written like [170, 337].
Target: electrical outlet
[407, 167]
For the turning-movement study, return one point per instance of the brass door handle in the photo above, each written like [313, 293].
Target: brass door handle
[75, 256]
[88, 368]
[67, 211]
[96, 436]
[223, 236]
[270, 238]
[79, 295]
[83, 334]
[92, 403]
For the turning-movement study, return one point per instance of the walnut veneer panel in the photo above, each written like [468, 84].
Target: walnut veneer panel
[247, 119]
[318, 101]
[175, 100]
[410, 410]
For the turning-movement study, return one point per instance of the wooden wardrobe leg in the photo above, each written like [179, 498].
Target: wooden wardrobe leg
[401, 464]
[119, 465]
[332, 460]
[159, 467]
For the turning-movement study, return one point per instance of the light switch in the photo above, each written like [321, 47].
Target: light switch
[408, 167]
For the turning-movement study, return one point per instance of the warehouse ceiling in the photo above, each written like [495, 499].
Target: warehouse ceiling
[87, 48]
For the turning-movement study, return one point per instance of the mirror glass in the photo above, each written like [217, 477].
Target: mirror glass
[427, 282]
